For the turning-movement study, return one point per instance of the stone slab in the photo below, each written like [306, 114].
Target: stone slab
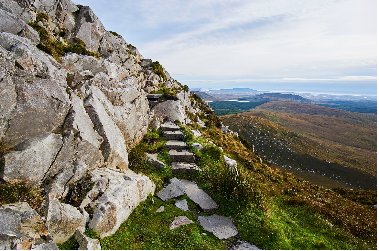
[180, 221]
[181, 156]
[169, 126]
[182, 204]
[222, 227]
[176, 145]
[173, 135]
[184, 168]
[173, 190]
[198, 196]
[153, 96]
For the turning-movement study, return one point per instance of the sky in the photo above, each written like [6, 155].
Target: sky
[294, 45]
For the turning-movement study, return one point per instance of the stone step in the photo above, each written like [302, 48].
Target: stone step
[222, 227]
[153, 97]
[184, 168]
[169, 126]
[181, 156]
[173, 135]
[198, 196]
[175, 144]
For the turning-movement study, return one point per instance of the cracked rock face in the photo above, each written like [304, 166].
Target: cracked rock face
[31, 163]
[22, 228]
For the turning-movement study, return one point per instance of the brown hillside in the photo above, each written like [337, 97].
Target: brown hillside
[350, 141]
[304, 108]
[298, 150]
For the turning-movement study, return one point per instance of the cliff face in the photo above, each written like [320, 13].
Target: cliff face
[67, 117]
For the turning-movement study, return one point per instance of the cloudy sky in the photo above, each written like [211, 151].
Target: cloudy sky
[261, 44]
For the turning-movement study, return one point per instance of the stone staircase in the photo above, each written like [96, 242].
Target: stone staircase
[184, 162]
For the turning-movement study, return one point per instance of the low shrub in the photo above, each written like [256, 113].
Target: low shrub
[158, 69]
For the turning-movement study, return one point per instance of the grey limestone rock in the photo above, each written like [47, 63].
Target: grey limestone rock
[63, 220]
[232, 164]
[198, 196]
[89, 28]
[222, 227]
[171, 110]
[113, 147]
[173, 190]
[22, 228]
[13, 24]
[79, 122]
[154, 162]
[160, 209]
[120, 193]
[180, 221]
[182, 204]
[77, 63]
[31, 163]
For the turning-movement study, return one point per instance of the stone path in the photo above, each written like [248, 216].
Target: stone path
[184, 162]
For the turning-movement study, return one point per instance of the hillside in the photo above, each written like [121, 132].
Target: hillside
[349, 136]
[314, 160]
[303, 108]
[103, 149]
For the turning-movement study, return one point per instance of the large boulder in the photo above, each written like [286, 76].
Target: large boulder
[63, 220]
[89, 28]
[22, 228]
[12, 24]
[171, 110]
[33, 160]
[119, 194]
[113, 147]
[76, 63]
[35, 91]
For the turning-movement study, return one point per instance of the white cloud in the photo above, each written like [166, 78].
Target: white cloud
[269, 39]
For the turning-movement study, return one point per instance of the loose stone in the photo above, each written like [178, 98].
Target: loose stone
[182, 204]
[222, 227]
[180, 221]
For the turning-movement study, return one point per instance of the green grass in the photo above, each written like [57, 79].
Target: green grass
[146, 229]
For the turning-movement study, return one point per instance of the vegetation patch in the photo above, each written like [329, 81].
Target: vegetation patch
[70, 244]
[13, 192]
[158, 69]
[56, 48]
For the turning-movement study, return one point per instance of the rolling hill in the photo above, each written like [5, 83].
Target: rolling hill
[323, 145]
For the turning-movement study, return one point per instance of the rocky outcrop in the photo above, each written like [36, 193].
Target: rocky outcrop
[22, 228]
[119, 193]
[65, 119]
[63, 220]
